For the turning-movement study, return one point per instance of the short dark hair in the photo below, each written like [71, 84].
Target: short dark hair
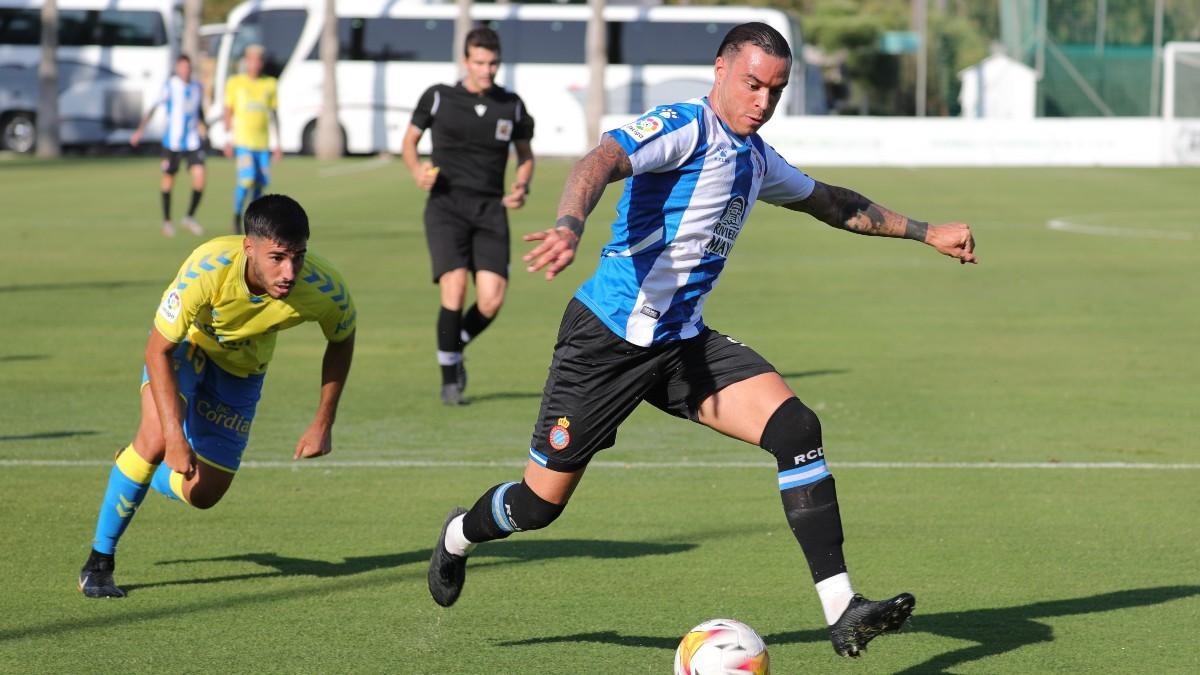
[482, 37]
[184, 57]
[758, 34]
[278, 218]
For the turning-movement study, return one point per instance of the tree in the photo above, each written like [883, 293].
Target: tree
[48, 144]
[329, 136]
[597, 60]
[462, 26]
[192, 10]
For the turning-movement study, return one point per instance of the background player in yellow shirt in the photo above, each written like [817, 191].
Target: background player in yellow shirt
[206, 358]
[250, 104]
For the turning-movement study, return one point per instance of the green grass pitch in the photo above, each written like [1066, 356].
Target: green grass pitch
[1064, 346]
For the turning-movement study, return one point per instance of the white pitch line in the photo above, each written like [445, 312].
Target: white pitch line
[435, 463]
[356, 167]
[1063, 225]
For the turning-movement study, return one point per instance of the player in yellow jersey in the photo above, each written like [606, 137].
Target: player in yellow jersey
[206, 358]
[250, 104]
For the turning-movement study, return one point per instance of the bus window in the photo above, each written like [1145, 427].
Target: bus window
[387, 39]
[20, 26]
[541, 41]
[663, 43]
[110, 28]
[86, 27]
[277, 30]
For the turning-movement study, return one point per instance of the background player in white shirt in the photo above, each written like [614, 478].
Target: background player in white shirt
[183, 99]
[634, 331]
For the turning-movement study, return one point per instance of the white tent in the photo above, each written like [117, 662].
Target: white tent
[998, 88]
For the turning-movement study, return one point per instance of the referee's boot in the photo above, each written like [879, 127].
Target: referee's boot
[96, 577]
[447, 572]
[864, 620]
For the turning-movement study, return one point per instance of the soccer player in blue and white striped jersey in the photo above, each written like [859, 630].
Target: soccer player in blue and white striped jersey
[183, 100]
[635, 330]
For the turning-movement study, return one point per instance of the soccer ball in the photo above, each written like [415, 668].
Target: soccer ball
[722, 646]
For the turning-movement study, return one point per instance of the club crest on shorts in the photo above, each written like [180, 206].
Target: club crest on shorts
[559, 436]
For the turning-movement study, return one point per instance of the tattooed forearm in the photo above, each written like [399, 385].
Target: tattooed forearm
[606, 163]
[848, 210]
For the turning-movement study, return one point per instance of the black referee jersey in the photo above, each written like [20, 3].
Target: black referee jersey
[471, 135]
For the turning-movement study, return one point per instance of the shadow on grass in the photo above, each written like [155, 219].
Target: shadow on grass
[504, 396]
[994, 630]
[11, 358]
[79, 286]
[520, 551]
[814, 373]
[346, 575]
[47, 434]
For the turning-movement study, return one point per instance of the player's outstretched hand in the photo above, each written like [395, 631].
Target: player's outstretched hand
[136, 138]
[228, 150]
[180, 457]
[316, 441]
[555, 253]
[277, 155]
[954, 240]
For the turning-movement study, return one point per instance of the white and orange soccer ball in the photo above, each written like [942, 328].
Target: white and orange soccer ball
[722, 647]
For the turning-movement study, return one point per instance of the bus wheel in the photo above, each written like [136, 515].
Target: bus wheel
[308, 140]
[18, 132]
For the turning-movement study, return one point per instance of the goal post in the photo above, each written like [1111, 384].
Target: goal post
[1181, 81]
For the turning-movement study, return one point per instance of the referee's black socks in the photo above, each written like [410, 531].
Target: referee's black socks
[809, 495]
[474, 323]
[449, 325]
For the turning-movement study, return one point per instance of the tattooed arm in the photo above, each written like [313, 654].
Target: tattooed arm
[848, 210]
[606, 163]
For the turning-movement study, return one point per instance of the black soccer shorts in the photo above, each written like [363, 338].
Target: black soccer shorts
[596, 380]
[466, 231]
[171, 158]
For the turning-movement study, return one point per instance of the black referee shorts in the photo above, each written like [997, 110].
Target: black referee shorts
[468, 231]
[597, 379]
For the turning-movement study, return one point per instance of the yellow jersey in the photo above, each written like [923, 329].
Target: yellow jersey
[210, 305]
[252, 100]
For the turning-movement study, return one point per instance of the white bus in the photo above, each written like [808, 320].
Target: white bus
[113, 58]
[390, 52]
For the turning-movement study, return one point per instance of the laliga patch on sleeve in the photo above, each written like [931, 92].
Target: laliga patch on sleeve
[169, 309]
[643, 128]
[504, 129]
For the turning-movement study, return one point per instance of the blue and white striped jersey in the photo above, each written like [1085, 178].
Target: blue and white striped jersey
[693, 185]
[182, 101]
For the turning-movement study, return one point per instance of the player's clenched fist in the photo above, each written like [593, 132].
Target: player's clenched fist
[954, 240]
[180, 457]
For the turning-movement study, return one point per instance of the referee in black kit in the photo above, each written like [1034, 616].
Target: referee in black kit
[466, 222]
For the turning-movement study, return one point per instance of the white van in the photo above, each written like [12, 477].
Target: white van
[113, 58]
[390, 52]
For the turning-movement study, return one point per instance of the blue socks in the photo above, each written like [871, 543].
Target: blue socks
[165, 484]
[127, 486]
